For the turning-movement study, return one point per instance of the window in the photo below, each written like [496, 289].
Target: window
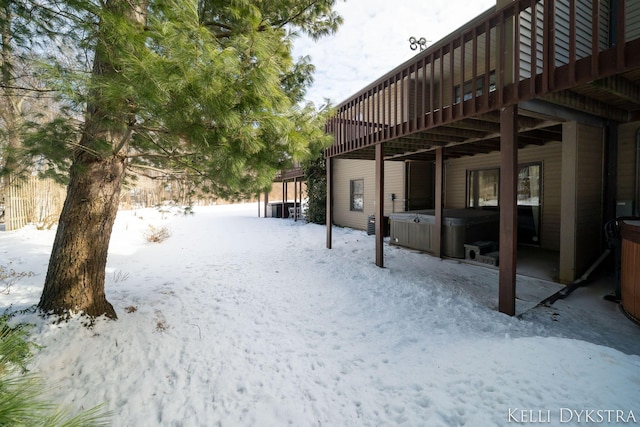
[529, 185]
[483, 192]
[357, 195]
[483, 187]
[468, 90]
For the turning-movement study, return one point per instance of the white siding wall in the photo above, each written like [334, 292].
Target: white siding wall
[344, 170]
[551, 157]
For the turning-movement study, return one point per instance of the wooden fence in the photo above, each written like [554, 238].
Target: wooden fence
[33, 200]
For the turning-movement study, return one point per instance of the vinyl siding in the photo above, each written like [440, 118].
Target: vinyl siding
[345, 170]
[582, 193]
[589, 192]
[632, 19]
[626, 161]
[551, 157]
[583, 32]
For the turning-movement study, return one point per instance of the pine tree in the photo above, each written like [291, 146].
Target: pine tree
[315, 172]
[203, 88]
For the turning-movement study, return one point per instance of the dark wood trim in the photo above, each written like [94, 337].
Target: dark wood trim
[266, 202]
[284, 197]
[437, 238]
[295, 199]
[379, 204]
[508, 209]
[329, 213]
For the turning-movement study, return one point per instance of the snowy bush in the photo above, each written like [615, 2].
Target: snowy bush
[156, 234]
[8, 277]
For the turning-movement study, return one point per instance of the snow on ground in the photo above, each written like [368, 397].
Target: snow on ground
[237, 320]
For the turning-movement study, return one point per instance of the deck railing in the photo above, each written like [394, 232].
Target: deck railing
[523, 51]
[289, 174]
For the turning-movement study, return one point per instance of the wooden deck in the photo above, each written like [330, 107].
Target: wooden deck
[440, 98]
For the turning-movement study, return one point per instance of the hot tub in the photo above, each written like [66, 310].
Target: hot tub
[415, 229]
[630, 268]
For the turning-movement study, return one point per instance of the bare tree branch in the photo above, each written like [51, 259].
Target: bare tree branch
[29, 89]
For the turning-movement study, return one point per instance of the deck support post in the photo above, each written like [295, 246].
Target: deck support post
[437, 239]
[508, 209]
[329, 210]
[284, 197]
[379, 211]
[295, 199]
[300, 193]
[266, 202]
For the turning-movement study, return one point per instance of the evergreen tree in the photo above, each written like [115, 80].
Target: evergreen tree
[23, 27]
[315, 172]
[204, 88]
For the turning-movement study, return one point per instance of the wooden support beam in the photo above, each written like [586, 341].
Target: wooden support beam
[580, 102]
[379, 204]
[437, 238]
[266, 202]
[295, 199]
[300, 181]
[284, 197]
[619, 86]
[329, 213]
[508, 209]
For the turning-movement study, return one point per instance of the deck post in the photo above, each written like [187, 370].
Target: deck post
[266, 202]
[508, 209]
[300, 192]
[379, 211]
[437, 237]
[284, 197]
[295, 198]
[329, 212]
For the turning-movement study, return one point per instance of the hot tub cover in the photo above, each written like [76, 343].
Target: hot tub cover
[450, 217]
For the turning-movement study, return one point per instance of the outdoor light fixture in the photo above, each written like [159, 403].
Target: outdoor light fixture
[417, 43]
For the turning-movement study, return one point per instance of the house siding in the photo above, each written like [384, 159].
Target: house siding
[551, 157]
[632, 20]
[345, 170]
[590, 191]
[582, 195]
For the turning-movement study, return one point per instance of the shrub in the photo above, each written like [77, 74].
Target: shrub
[21, 402]
[8, 277]
[156, 234]
[316, 174]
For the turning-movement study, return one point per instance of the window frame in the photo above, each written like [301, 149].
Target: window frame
[469, 184]
[353, 205]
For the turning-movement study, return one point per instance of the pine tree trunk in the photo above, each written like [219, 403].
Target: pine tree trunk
[75, 279]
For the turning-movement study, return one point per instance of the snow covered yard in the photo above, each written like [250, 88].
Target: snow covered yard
[236, 320]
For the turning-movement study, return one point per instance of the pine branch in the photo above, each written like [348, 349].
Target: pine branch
[164, 172]
[290, 19]
[170, 156]
[125, 139]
